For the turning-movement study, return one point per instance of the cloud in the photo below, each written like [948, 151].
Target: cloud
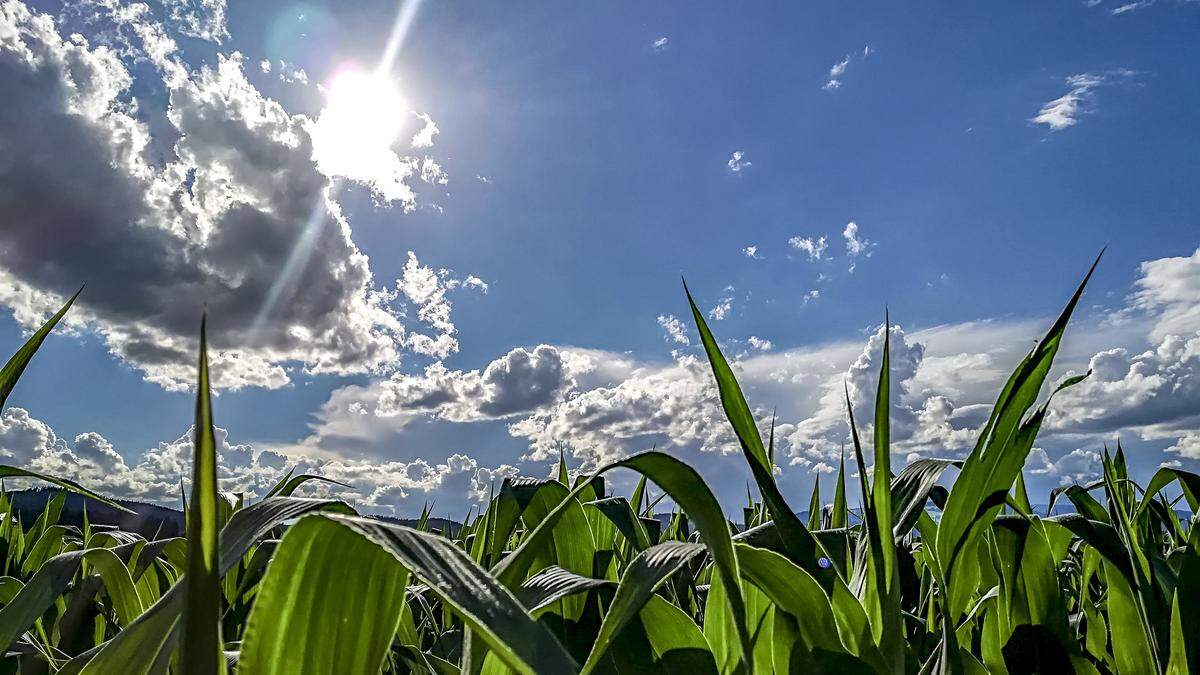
[675, 329]
[760, 344]
[1078, 466]
[838, 70]
[604, 405]
[723, 307]
[809, 297]
[1064, 112]
[424, 137]
[518, 382]
[221, 206]
[751, 252]
[669, 406]
[1187, 446]
[426, 289]
[660, 43]
[815, 248]
[855, 246]
[290, 73]
[390, 487]
[1131, 6]
[202, 19]
[737, 162]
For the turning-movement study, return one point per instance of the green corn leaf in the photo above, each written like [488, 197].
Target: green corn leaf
[1132, 645]
[803, 548]
[691, 494]
[910, 490]
[1189, 483]
[288, 485]
[145, 646]
[620, 512]
[649, 569]
[992, 467]
[50, 581]
[553, 584]
[794, 591]
[491, 611]
[676, 643]
[11, 372]
[330, 602]
[814, 506]
[838, 517]
[201, 641]
[1185, 612]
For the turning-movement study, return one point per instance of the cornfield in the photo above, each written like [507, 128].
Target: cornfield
[559, 576]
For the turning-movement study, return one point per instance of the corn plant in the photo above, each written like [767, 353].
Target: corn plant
[925, 575]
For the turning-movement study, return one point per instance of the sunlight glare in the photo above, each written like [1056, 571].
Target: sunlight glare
[363, 116]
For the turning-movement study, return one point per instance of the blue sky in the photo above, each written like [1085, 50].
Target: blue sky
[962, 162]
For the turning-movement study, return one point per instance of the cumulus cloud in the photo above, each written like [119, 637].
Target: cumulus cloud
[945, 379]
[220, 207]
[1064, 112]
[389, 487]
[1075, 467]
[660, 43]
[1153, 392]
[426, 289]
[667, 406]
[518, 382]
[751, 252]
[760, 344]
[814, 248]
[855, 245]
[675, 329]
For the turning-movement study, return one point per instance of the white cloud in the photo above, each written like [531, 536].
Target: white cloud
[760, 344]
[424, 137]
[1065, 111]
[290, 73]
[604, 405]
[426, 289]
[815, 248]
[234, 216]
[517, 383]
[675, 329]
[203, 19]
[1131, 6]
[855, 246]
[390, 487]
[838, 70]
[1075, 467]
[751, 252]
[737, 162]
[660, 43]
[811, 296]
[1187, 446]
[723, 307]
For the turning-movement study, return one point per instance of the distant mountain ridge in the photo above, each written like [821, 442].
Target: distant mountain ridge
[151, 521]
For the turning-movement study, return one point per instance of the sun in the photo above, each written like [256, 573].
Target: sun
[364, 115]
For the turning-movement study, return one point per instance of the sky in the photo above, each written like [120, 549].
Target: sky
[438, 243]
